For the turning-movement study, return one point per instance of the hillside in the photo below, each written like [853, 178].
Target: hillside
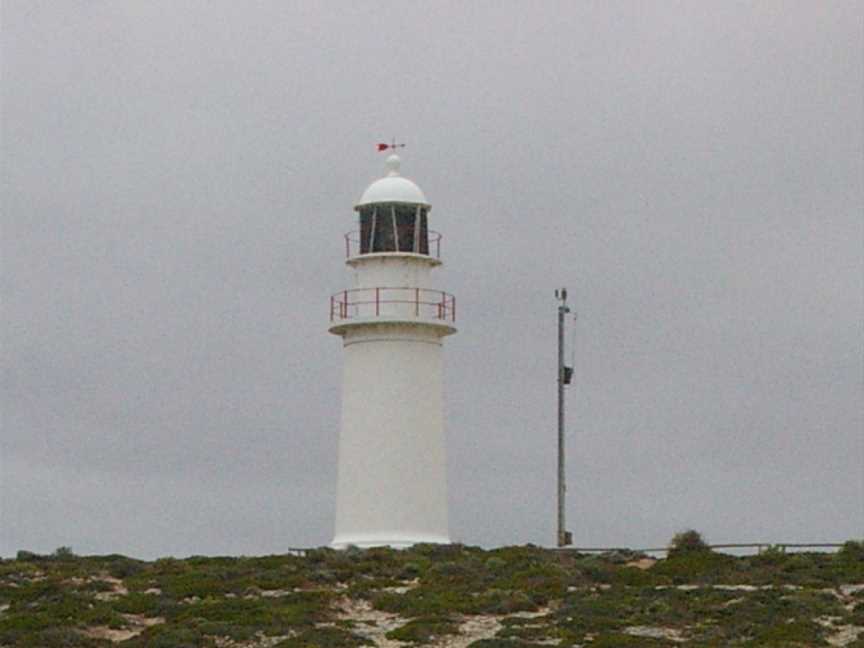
[512, 597]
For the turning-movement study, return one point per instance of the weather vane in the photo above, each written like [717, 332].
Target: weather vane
[393, 145]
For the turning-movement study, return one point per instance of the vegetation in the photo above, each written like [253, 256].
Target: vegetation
[526, 597]
[685, 542]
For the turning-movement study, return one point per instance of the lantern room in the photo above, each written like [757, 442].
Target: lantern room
[394, 215]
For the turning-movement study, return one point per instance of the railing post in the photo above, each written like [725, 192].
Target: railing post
[377, 302]
[453, 307]
[345, 304]
[347, 246]
[416, 302]
[331, 308]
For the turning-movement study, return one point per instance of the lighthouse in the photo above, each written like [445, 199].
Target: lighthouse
[392, 488]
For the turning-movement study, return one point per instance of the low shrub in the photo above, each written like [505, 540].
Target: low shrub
[170, 636]
[423, 630]
[327, 637]
[59, 638]
[123, 567]
[619, 640]
[505, 642]
[696, 567]
[852, 550]
[138, 603]
[786, 634]
[686, 542]
[63, 554]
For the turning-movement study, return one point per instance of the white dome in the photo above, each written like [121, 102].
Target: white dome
[392, 188]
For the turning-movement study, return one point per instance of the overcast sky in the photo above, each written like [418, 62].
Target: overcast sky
[177, 178]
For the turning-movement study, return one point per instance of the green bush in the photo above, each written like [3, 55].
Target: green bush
[852, 550]
[169, 636]
[63, 553]
[685, 542]
[857, 615]
[618, 640]
[423, 630]
[138, 603]
[59, 638]
[505, 642]
[529, 629]
[327, 637]
[426, 602]
[273, 616]
[101, 615]
[123, 567]
[506, 602]
[790, 633]
[696, 567]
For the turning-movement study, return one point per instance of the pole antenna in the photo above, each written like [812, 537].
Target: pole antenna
[565, 374]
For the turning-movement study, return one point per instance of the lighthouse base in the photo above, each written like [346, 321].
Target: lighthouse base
[392, 540]
[392, 489]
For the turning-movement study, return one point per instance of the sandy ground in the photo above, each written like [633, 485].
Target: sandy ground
[137, 624]
[375, 624]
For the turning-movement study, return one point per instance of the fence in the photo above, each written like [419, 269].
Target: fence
[758, 546]
[412, 303]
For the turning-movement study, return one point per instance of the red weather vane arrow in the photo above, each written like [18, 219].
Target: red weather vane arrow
[393, 145]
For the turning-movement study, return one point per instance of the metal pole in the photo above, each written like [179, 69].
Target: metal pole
[562, 488]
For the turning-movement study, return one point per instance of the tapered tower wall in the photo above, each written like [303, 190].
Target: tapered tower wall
[392, 468]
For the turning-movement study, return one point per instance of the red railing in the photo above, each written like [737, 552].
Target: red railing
[352, 244]
[403, 303]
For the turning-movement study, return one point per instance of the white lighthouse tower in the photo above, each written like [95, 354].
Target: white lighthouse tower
[392, 472]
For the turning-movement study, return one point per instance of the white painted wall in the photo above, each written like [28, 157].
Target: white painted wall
[392, 269]
[392, 467]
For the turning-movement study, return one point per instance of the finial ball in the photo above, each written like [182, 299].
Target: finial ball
[393, 163]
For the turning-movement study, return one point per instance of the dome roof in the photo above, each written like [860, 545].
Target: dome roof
[392, 188]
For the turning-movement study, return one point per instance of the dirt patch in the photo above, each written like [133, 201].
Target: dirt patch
[117, 590]
[850, 590]
[652, 632]
[260, 640]
[842, 635]
[642, 563]
[473, 629]
[137, 624]
[406, 586]
[374, 624]
[368, 622]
